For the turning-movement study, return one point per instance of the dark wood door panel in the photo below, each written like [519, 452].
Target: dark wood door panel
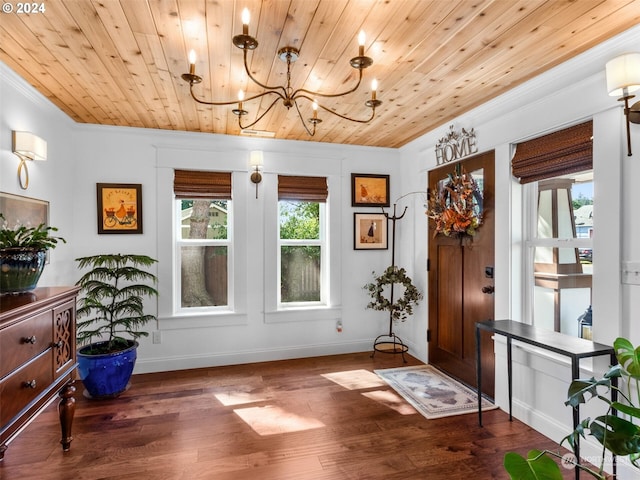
[460, 268]
[448, 335]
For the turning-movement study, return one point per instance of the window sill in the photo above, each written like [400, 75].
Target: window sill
[303, 314]
[202, 320]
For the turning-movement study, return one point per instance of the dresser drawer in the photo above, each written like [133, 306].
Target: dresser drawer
[24, 385]
[23, 341]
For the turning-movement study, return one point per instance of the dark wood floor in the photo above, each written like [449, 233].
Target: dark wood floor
[268, 421]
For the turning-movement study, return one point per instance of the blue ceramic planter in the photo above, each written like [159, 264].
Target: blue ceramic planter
[106, 375]
[20, 269]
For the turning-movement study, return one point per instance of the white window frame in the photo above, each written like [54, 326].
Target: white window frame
[324, 264]
[332, 309]
[181, 242]
[530, 227]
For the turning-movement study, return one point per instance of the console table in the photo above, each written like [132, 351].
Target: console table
[573, 347]
[37, 359]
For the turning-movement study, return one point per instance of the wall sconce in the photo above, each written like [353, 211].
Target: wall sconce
[623, 78]
[27, 146]
[256, 162]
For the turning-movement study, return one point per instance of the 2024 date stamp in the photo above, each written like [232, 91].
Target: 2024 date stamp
[24, 8]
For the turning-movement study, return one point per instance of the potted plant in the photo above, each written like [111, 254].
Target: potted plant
[23, 252]
[110, 318]
[617, 430]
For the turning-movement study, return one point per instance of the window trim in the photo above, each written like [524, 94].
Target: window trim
[179, 242]
[531, 241]
[332, 309]
[324, 255]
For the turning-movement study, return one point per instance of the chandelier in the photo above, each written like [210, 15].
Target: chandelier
[286, 93]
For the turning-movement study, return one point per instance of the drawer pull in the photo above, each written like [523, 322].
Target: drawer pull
[31, 384]
[32, 340]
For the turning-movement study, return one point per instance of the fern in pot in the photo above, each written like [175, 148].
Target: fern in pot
[23, 254]
[111, 317]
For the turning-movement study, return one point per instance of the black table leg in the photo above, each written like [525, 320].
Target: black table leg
[510, 377]
[575, 373]
[479, 375]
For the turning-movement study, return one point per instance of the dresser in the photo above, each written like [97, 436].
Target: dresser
[37, 359]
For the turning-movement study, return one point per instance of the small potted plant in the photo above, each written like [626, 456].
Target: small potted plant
[23, 252]
[617, 430]
[111, 317]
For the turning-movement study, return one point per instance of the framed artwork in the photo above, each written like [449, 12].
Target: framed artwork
[369, 190]
[370, 231]
[19, 210]
[119, 207]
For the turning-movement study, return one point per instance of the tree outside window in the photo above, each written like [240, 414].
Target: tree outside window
[204, 248]
[301, 251]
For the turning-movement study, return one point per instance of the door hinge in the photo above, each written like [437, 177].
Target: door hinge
[428, 264]
[428, 335]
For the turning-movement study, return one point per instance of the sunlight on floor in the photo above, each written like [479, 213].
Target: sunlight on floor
[239, 398]
[355, 379]
[271, 420]
[392, 400]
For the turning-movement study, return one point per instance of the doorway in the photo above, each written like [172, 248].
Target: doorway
[461, 283]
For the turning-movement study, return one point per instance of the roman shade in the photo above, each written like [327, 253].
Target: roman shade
[199, 184]
[558, 153]
[309, 189]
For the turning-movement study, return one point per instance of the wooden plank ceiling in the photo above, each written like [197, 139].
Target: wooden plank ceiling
[119, 62]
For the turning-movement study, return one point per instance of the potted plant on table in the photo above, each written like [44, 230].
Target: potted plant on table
[23, 253]
[111, 316]
[617, 430]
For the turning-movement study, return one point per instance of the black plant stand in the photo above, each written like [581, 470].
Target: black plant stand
[391, 343]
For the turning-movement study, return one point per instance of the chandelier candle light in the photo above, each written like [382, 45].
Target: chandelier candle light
[286, 93]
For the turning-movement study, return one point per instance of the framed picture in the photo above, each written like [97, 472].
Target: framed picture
[370, 231]
[18, 210]
[369, 190]
[119, 207]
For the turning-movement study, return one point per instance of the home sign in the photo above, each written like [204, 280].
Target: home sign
[456, 145]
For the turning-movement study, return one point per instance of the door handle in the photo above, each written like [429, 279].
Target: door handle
[488, 289]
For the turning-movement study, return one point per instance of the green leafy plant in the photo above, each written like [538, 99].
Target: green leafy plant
[113, 293]
[401, 308]
[37, 238]
[617, 430]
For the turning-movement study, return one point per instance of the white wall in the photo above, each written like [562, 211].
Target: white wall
[82, 155]
[568, 94]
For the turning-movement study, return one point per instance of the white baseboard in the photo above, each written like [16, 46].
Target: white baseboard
[185, 362]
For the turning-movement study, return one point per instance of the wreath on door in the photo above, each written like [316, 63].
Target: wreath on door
[456, 208]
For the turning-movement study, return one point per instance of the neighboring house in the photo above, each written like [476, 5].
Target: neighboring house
[584, 221]
[217, 217]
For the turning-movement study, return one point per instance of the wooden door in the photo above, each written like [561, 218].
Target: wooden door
[461, 284]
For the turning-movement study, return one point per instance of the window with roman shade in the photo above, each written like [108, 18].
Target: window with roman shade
[310, 189]
[556, 171]
[203, 238]
[302, 240]
[200, 184]
[558, 153]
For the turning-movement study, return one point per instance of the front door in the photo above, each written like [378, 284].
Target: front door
[461, 283]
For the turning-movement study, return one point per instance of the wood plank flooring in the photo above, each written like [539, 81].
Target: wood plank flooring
[322, 418]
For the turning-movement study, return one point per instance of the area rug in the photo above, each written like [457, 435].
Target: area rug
[431, 392]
